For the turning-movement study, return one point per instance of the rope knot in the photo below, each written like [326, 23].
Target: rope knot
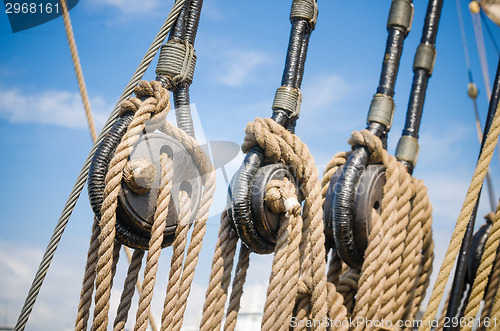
[148, 94]
[370, 141]
[281, 197]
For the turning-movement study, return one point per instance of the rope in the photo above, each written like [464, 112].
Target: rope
[237, 290]
[491, 290]
[174, 277]
[131, 280]
[299, 268]
[220, 276]
[82, 177]
[78, 69]
[398, 259]
[461, 225]
[159, 105]
[160, 221]
[484, 270]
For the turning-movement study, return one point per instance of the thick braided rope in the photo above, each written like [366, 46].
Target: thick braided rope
[491, 290]
[174, 277]
[156, 104]
[193, 251]
[155, 242]
[374, 273]
[237, 289]
[78, 69]
[220, 275]
[484, 270]
[348, 287]
[88, 280]
[286, 268]
[463, 219]
[175, 273]
[128, 290]
[421, 208]
[495, 312]
[280, 145]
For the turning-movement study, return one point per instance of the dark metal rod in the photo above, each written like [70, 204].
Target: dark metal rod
[463, 257]
[421, 76]
[392, 57]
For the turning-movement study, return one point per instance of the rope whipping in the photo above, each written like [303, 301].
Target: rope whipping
[82, 177]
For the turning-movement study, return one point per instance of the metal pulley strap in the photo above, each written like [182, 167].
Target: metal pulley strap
[423, 65]
[288, 99]
[425, 57]
[285, 111]
[305, 9]
[177, 61]
[401, 15]
[381, 110]
[407, 149]
[341, 203]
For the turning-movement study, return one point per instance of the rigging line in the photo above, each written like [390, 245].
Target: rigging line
[481, 49]
[78, 69]
[464, 40]
[489, 183]
[82, 177]
[88, 110]
[489, 32]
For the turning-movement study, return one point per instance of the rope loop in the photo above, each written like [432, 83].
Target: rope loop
[371, 142]
[280, 196]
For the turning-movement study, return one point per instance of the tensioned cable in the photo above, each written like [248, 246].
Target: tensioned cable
[489, 32]
[489, 182]
[82, 177]
[481, 50]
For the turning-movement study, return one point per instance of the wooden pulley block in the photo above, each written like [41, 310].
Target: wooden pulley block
[137, 200]
[350, 239]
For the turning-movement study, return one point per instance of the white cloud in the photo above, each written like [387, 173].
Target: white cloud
[129, 6]
[324, 91]
[57, 107]
[239, 67]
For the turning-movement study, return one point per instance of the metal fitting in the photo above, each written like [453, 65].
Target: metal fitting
[381, 110]
[407, 150]
[425, 58]
[401, 14]
[305, 9]
[288, 99]
[177, 61]
[472, 90]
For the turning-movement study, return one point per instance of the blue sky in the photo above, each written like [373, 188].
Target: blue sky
[241, 48]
